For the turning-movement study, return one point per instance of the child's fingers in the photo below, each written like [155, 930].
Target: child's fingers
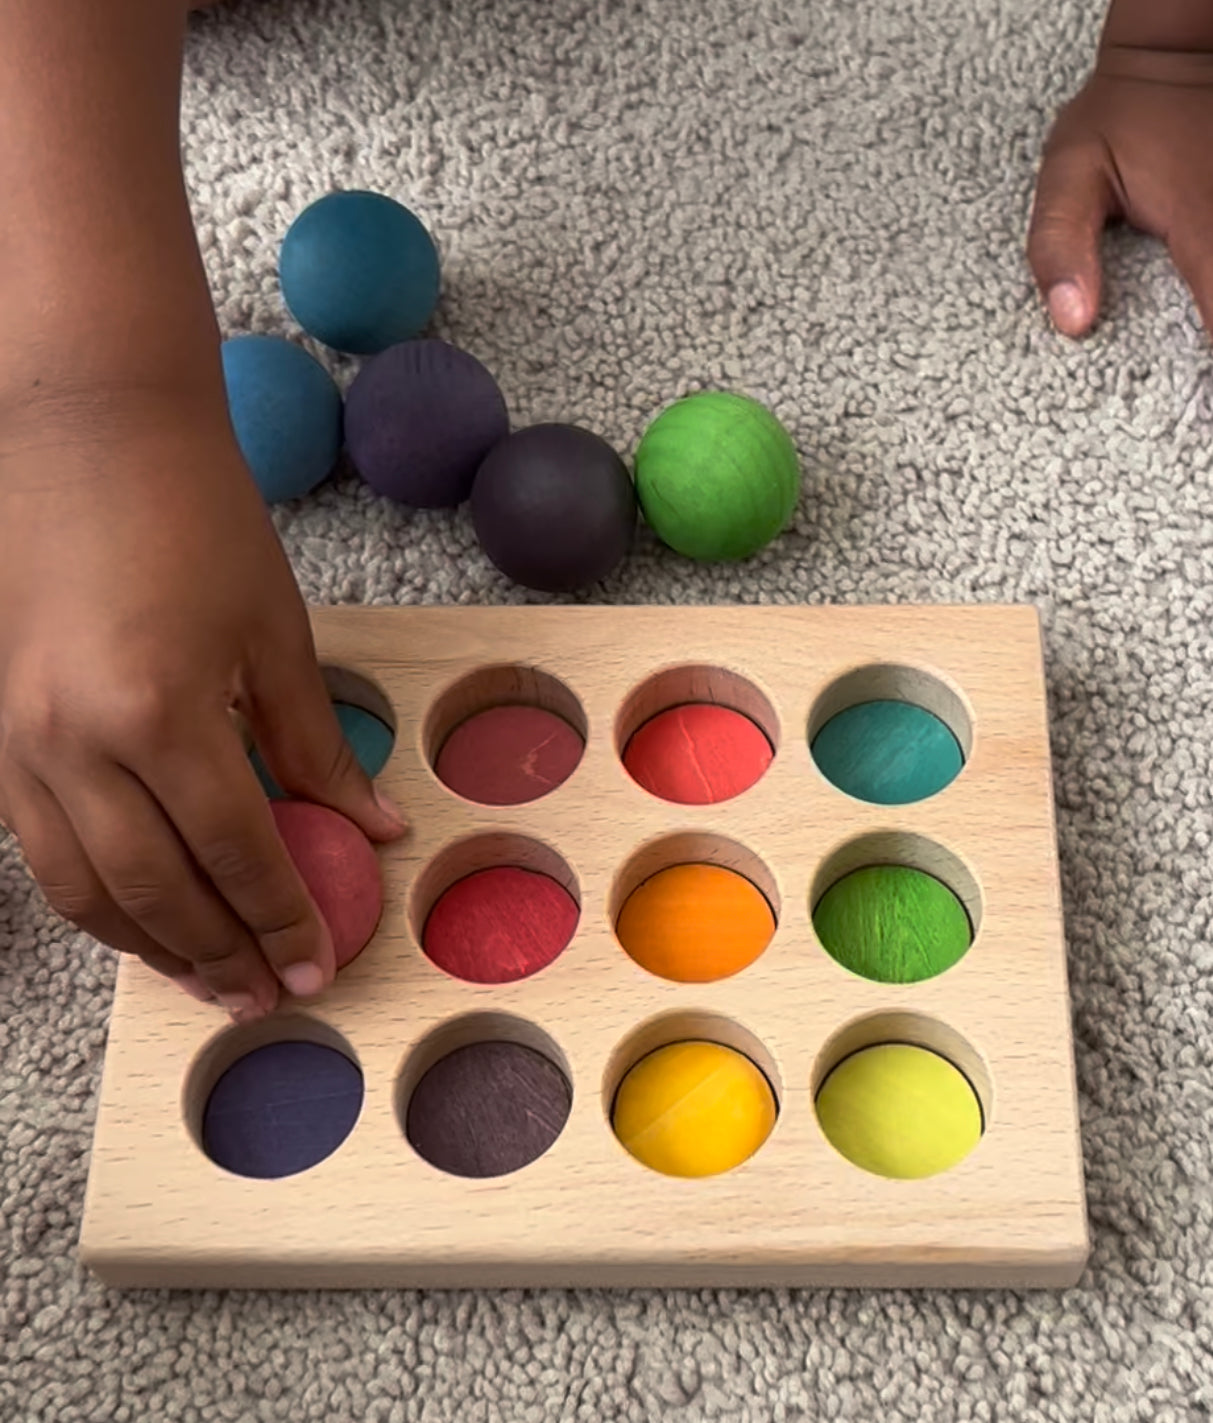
[1192, 253]
[57, 861]
[148, 873]
[1074, 199]
[292, 719]
[209, 791]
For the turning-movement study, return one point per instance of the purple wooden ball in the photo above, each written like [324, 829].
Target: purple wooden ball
[554, 508]
[419, 419]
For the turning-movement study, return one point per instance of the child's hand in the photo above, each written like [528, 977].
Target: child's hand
[1137, 144]
[143, 593]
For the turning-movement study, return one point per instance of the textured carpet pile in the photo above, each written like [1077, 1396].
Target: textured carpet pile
[822, 203]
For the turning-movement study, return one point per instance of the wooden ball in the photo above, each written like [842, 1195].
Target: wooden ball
[509, 755]
[698, 754]
[893, 924]
[499, 925]
[695, 923]
[554, 508]
[694, 1109]
[281, 1109]
[888, 752]
[717, 476]
[419, 419]
[900, 1111]
[488, 1109]
[339, 866]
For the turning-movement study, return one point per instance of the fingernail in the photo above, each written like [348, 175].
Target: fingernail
[1068, 307]
[304, 980]
[243, 1007]
[389, 808]
[190, 983]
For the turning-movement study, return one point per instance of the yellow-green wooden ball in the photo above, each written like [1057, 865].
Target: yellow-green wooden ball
[717, 476]
[899, 1110]
[694, 1109]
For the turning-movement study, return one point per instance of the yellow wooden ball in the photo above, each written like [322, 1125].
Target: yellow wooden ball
[694, 1109]
[899, 1111]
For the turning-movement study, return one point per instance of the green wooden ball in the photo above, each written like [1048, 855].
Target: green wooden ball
[717, 476]
[893, 924]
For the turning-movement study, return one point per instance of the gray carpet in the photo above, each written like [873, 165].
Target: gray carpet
[823, 203]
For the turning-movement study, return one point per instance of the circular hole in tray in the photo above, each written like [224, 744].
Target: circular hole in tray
[495, 908]
[697, 735]
[366, 719]
[274, 1098]
[890, 735]
[691, 1094]
[505, 735]
[895, 907]
[901, 1095]
[484, 1095]
[694, 908]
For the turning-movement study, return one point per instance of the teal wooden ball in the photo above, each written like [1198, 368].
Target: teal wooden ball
[888, 752]
[717, 476]
[359, 272]
[286, 413]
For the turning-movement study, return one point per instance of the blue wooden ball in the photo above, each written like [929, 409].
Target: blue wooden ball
[286, 411]
[359, 272]
[888, 752]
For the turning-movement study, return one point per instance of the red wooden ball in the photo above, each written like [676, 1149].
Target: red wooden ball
[698, 754]
[500, 925]
[509, 755]
[340, 868]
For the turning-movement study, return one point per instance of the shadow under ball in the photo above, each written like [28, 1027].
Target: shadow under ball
[554, 508]
[420, 418]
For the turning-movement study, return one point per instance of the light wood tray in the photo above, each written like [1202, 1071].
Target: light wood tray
[158, 1212]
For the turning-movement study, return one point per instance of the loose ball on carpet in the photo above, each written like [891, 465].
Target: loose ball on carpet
[359, 272]
[286, 412]
[717, 476]
[694, 1109]
[420, 418]
[554, 508]
[339, 866]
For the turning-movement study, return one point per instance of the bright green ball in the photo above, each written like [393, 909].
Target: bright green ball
[893, 924]
[717, 476]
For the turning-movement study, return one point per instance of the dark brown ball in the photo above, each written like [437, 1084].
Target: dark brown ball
[488, 1109]
[554, 508]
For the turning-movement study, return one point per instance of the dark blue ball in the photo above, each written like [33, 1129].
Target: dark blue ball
[286, 411]
[359, 272]
[419, 419]
[281, 1109]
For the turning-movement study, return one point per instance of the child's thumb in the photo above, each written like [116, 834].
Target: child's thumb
[291, 716]
[1074, 199]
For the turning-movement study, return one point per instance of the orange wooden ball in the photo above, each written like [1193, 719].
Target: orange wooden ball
[695, 923]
